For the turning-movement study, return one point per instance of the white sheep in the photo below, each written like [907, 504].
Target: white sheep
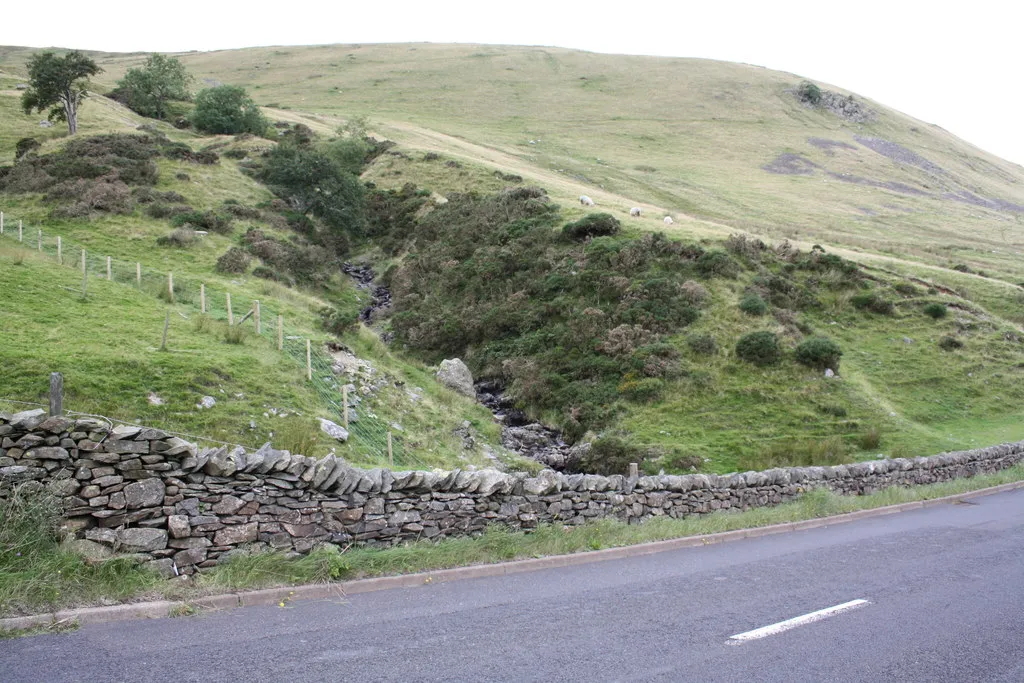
[635, 211]
[586, 201]
[668, 220]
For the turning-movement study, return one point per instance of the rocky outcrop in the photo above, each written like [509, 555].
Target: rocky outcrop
[138, 490]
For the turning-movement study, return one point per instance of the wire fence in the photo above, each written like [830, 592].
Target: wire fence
[371, 435]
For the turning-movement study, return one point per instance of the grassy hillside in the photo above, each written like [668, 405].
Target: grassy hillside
[719, 147]
[681, 136]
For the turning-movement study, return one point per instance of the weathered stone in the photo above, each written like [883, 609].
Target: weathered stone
[333, 430]
[117, 500]
[165, 567]
[228, 505]
[144, 493]
[108, 536]
[233, 535]
[126, 446]
[190, 542]
[142, 540]
[454, 374]
[48, 453]
[111, 480]
[191, 556]
[28, 420]
[178, 526]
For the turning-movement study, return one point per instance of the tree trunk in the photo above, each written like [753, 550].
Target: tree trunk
[71, 111]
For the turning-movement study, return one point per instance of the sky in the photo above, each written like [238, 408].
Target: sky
[953, 64]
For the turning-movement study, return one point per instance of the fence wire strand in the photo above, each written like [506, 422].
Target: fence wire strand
[368, 432]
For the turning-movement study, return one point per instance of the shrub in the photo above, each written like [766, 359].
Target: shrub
[592, 225]
[819, 353]
[759, 348]
[183, 176]
[210, 220]
[336, 322]
[870, 439]
[872, 302]
[235, 334]
[179, 237]
[694, 292]
[753, 304]
[234, 260]
[809, 92]
[717, 262]
[949, 343]
[227, 110]
[25, 146]
[641, 389]
[702, 343]
[935, 310]
[906, 289]
[612, 455]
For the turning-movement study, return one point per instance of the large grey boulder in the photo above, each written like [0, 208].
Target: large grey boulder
[454, 374]
[333, 430]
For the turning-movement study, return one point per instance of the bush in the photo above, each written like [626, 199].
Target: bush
[717, 262]
[641, 389]
[592, 225]
[935, 310]
[234, 260]
[210, 220]
[906, 289]
[694, 292]
[809, 92]
[753, 304]
[819, 353]
[25, 146]
[870, 301]
[870, 439]
[612, 455]
[703, 344]
[949, 343]
[227, 110]
[179, 237]
[759, 348]
[336, 322]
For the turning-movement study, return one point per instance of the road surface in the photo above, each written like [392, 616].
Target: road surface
[935, 594]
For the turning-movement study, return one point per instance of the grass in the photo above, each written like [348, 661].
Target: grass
[46, 578]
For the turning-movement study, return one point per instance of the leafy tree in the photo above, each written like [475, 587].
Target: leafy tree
[227, 110]
[58, 83]
[147, 90]
[314, 182]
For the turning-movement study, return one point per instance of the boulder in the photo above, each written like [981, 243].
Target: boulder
[142, 540]
[144, 493]
[454, 374]
[335, 431]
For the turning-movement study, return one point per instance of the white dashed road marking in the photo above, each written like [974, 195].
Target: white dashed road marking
[799, 621]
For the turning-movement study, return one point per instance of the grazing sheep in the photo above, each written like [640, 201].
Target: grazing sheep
[668, 220]
[635, 211]
[586, 201]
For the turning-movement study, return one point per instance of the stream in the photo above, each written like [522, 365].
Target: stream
[518, 433]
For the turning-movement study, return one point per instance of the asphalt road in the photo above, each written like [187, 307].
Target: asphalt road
[945, 587]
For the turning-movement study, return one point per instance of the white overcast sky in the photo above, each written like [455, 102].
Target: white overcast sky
[954, 64]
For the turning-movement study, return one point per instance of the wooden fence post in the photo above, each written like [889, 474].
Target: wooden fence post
[280, 333]
[231, 315]
[39, 240]
[256, 317]
[85, 275]
[19, 231]
[138, 275]
[344, 404]
[56, 393]
[202, 298]
[1, 222]
[170, 286]
[167, 323]
[634, 470]
[60, 252]
[391, 456]
[309, 360]
[108, 270]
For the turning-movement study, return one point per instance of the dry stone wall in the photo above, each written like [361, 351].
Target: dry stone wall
[140, 490]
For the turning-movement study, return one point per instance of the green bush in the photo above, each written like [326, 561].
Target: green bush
[870, 301]
[906, 289]
[949, 343]
[641, 389]
[809, 92]
[335, 321]
[759, 348]
[592, 225]
[702, 343]
[819, 353]
[717, 262]
[935, 310]
[227, 110]
[210, 220]
[179, 237]
[612, 455]
[753, 304]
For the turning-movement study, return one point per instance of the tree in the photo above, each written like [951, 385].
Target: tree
[147, 90]
[58, 83]
[227, 110]
[312, 182]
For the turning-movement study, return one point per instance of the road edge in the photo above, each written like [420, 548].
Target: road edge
[168, 608]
